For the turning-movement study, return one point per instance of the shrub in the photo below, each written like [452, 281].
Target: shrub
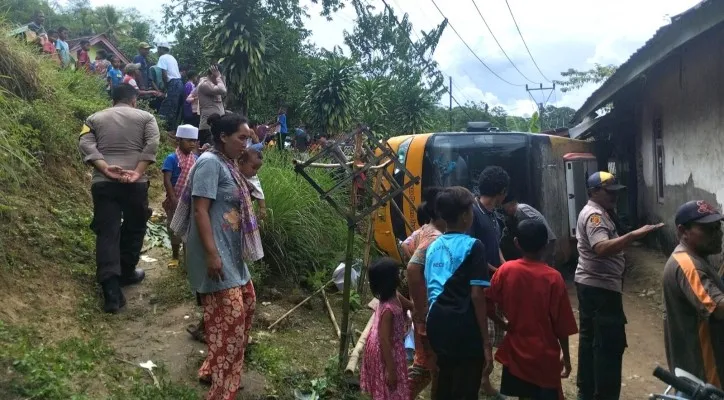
[302, 232]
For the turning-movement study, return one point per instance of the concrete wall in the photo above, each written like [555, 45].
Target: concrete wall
[687, 91]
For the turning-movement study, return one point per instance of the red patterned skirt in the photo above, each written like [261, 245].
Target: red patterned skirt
[227, 321]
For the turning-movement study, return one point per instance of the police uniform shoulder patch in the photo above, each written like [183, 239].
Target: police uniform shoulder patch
[595, 220]
[86, 129]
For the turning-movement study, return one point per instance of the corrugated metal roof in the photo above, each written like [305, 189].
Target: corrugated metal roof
[683, 28]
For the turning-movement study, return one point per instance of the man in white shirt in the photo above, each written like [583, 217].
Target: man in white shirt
[171, 106]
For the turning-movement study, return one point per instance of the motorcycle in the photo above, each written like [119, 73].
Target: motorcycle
[684, 386]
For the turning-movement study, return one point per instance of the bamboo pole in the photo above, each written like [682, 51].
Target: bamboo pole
[331, 314]
[354, 358]
[361, 287]
[344, 340]
[299, 305]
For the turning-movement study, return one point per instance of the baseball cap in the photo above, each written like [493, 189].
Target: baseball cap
[698, 211]
[604, 180]
[144, 45]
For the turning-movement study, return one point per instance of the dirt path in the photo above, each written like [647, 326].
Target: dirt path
[153, 327]
[149, 329]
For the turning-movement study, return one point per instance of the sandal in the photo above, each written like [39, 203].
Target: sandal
[173, 264]
[196, 333]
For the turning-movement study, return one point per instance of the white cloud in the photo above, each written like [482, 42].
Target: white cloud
[561, 34]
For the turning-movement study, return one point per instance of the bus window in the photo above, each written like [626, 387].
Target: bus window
[398, 224]
[457, 159]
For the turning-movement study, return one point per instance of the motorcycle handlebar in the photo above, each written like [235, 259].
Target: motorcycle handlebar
[692, 390]
[677, 383]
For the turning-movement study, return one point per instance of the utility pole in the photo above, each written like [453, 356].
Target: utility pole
[541, 105]
[449, 89]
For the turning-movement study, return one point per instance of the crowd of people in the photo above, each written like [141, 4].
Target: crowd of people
[214, 202]
[211, 193]
[465, 299]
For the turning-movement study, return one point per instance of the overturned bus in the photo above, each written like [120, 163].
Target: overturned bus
[547, 172]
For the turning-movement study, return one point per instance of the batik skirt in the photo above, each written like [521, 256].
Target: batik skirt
[228, 316]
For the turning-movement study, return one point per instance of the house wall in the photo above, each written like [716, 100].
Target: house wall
[687, 90]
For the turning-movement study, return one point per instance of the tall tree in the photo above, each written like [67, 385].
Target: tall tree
[371, 105]
[380, 42]
[330, 94]
[556, 117]
[412, 107]
[534, 125]
[112, 22]
[575, 79]
[236, 36]
[292, 62]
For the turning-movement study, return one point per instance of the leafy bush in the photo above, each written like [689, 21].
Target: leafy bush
[302, 232]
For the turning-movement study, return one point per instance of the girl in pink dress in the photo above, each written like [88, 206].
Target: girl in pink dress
[384, 367]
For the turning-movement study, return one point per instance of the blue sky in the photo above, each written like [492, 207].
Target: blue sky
[559, 33]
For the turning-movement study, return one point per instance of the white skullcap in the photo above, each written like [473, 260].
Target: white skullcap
[187, 132]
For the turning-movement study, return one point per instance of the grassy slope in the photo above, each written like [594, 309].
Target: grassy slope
[54, 340]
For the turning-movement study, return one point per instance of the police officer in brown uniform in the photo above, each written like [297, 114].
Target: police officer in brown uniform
[599, 281]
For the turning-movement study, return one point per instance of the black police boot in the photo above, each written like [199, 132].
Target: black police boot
[133, 278]
[112, 296]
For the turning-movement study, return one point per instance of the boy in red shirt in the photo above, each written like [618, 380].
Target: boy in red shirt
[83, 60]
[534, 299]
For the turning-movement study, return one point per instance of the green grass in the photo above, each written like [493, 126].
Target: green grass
[73, 368]
[173, 289]
[302, 232]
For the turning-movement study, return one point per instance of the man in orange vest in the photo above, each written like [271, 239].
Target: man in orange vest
[694, 295]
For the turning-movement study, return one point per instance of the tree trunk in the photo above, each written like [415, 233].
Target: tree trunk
[244, 103]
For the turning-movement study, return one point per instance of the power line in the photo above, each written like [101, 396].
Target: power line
[419, 38]
[422, 57]
[467, 100]
[524, 43]
[499, 45]
[471, 50]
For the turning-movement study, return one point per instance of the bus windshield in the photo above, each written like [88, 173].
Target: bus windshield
[457, 159]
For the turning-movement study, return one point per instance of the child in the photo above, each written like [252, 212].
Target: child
[384, 367]
[133, 75]
[456, 274]
[249, 164]
[49, 42]
[49, 46]
[424, 367]
[114, 75]
[83, 59]
[62, 46]
[534, 299]
[101, 65]
[176, 170]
